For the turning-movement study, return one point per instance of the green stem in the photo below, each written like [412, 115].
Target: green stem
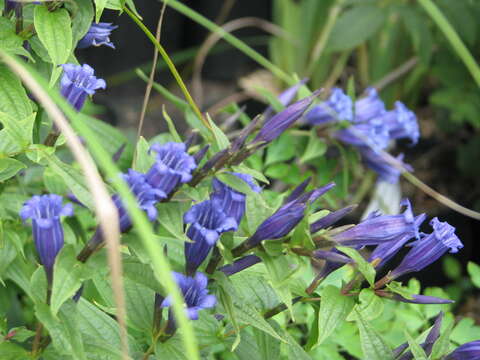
[452, 36]
[170, 65]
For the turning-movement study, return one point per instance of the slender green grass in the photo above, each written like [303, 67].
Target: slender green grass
[239, 44]
[452, 36]
[160, 263]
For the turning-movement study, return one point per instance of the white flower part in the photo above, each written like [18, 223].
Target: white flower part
[386, 199]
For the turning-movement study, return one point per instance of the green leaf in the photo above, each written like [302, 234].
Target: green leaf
[371, 306]
[69, 275]
[440, 348]
[171, 350]
[63, 330]
[452, 267]
[19, 130]
[281, 149]
[220, 138]
[224, 295]
[140, 302]
[171, 125]
[143, 160]
[9, 168]
[254, 173]
[373, 346]
[355, 26]
[315, 148]
[11, 42]
[73, 179]
[334, 309]
[363, 266]
[10, 351]
[54, 30]
[415, 348]
[53, 182]
[82, 18]
[99, 7]
[172, 218]
[13, 98]
[301, 236]
[474, 272]
[235, 183]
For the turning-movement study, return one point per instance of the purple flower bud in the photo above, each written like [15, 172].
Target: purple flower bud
[173, 166]
[195, 293]
[77, 82]
[378, 163]
[276, 125]
[338, 106]
[332, 256]
[330, 219]
[232, 202]
[97, 35]
[429, 248]
[422, 299]
[378, 229]
[207, 222]
[45, 212]
[147, 196]
[402, 123]
[369, 107]
[240, 264]
[468, 351]
[299, 190]
[285, 97]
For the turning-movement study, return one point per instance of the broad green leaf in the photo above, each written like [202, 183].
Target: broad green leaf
[11, 42]
[53, 182]
[415, 348]
[373, 346]
[69, 275]
[141, 273]
[354, 26]
[440, 348]
[171, 350]
[220, 138]
[99, 7]
[20, 273]
[8, 252]
[224, 296]
[38, 285]
[281, 149]
[19, 130]
[10, 351]
[295, 351]
[315, 148]
[334, 309]
[9, 168]
[363, 265]
[73, 179]
[235, 183]
[465, 331]
[64, 333]
[172, 218]
[254, 173]
[257, 211]
[82, 18]
[54, 30]
[248, 348]
[268, 346]
[13, 98]
[248, 315]
[474, 272]
[370, 306]
[140, 301]
[143, 160]
[396, 287]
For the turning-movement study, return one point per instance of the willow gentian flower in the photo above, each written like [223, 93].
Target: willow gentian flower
[195, 293]
[173, 166]
[330, 219]
[97, 35]
[240, 264]
[468, 351]
[378, 163]
[77, 82]
[282, 221]
[207, 222]
[369, 107]
[429, 248]
[337, 259]
[285, 98]
[421, 299]
[378, 229]
[231, 201]
[277, 124]
[372, 133]
[402, 122]
[338, 106]
[45, 212]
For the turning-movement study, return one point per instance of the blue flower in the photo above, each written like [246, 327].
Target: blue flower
[429, 248]
[369, 107]
[378, 163]
[240, 264]
[146, 195]
[421, 299]
[173, 166]
[285, 97]
[402, 123]
[338, 106]
[45, 212]
[97, 35]
[195, 293]
[77, 82]
[336, 260]
[330, 219]
[277, 124]
[378, 229]
[372, 133]
[468, 351]
[232, 202]
[207, 222]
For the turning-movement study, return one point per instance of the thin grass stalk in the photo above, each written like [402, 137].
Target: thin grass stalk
[104, 207]
[452, 36]
[160, 263]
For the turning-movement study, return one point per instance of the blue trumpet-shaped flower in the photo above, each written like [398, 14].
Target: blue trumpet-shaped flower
[369, 107]
[195, 293]
[97, 35]
[240, 264]
[372, 133]
[380, 164]
[330, 219]
[146, 195]
[422, 299]
[232, 202]
[173, 166]
[77, 82]
[378, 229]
[207, 222]
[285, 98]
[338, 106]
[402, 123]
[429, 248]
[45, 212]
[468, 351]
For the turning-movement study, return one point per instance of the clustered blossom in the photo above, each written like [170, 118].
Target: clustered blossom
[372, 128]
[45, 212]
[97, 35]
[77, 82]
